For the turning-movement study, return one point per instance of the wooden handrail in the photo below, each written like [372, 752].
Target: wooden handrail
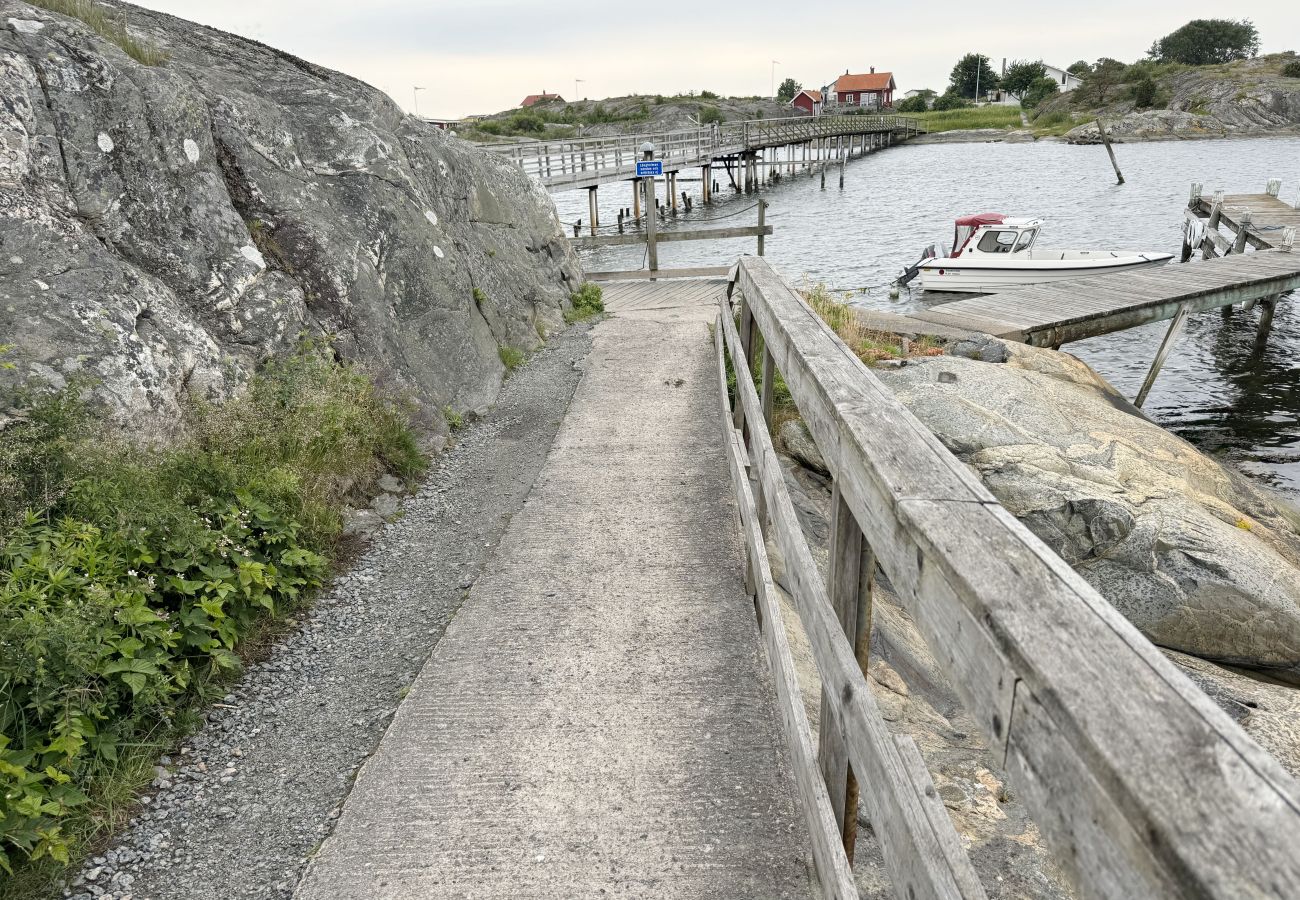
[1142, 786]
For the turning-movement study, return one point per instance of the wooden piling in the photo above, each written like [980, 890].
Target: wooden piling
[762, 216]
[591, 209]
[1105, 139]
[651, 223]
[636, 200]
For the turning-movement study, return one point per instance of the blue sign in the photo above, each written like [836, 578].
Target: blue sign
[648, 168]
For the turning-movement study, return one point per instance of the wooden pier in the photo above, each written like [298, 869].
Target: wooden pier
[1052, 314]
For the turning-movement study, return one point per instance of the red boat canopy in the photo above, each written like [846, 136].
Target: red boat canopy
[967, 225]
[981, 219]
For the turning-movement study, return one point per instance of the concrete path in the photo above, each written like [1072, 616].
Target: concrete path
[597, 720]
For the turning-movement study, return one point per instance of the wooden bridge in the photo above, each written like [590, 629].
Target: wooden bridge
[737, 147]
[597, 721]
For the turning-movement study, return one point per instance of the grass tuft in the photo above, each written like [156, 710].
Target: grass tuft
[587, 301]
[511, 357]
[111, 29]
[970, 118]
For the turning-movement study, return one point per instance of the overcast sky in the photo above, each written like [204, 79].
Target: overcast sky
[480, 56]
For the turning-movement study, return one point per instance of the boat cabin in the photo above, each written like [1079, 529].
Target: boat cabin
[991, 233]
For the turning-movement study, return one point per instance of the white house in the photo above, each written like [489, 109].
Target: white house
[1065, 81]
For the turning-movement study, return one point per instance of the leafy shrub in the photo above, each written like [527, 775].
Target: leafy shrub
[709, 95]
[948, 101]
[915, 104]
[587, 302]
[1203, 42]
[711, 115]
[1291, 69]
[1038, 91]
[133, 574]
[1144, 93]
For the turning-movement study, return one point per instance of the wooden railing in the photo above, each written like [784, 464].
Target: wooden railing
[1143, 787]
[587, 161]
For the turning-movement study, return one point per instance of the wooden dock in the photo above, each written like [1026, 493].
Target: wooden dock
[1048, 315]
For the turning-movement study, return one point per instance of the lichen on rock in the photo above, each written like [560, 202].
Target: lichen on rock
[191, 219]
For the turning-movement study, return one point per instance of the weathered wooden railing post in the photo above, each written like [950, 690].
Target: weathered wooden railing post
[850, 577]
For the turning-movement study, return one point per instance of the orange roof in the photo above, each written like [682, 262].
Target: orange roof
[536, 98]
[874, 81]
[816, 96]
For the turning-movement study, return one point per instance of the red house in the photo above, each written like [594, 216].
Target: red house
[538, 98]
[874, 90]
[808, 102]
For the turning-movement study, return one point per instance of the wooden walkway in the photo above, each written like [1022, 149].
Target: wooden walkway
[590, 162]
[597, 720]
[1048, 315]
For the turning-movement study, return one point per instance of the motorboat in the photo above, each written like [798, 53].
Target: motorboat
[993, 252]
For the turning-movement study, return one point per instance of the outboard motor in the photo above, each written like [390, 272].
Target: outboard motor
[915, 268]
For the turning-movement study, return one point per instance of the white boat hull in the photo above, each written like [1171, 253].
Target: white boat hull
[984, 274]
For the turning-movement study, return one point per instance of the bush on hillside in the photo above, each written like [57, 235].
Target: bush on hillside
[1291, 69]
[948, 101]
[1042, 89]
[1205, 42]
[711, 115]
[915, 104]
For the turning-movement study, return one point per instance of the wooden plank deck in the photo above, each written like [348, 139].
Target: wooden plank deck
[624, 296]
[1078, 308]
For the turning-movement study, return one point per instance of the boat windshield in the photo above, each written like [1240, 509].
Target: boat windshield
[997, 241]
[1026, 240]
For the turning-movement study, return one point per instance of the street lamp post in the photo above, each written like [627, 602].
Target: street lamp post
[415, 93]
[979, 64]
[775, 63]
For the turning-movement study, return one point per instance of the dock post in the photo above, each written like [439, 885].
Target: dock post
[842, 161]
[1165, 346]
[762, 216]
[849, 581]
[1105, 139]
[1243, 231]
[672, 191]
[1266, 310]
[591, 208]
[651, 208]
[706, 185]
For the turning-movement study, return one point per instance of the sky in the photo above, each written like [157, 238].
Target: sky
[486, 55]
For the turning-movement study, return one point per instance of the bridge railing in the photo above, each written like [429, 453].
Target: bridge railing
[1141, 785]
[557, 162]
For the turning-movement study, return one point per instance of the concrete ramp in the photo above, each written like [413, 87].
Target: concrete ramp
[598, 719]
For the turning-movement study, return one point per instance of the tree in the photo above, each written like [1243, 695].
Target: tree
[1039, 91]
[1021, 76]
[1100, 84]
[785, 93]
[1080, 68]
[711, 115]
[1206, 42]
[963, 79]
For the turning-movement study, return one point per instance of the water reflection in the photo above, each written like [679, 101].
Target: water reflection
[1218, 389]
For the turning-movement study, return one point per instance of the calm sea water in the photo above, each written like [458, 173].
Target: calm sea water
[1218, 389]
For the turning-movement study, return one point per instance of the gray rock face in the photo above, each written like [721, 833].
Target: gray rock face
[799, 443]
[163, 229]
[1246, 98]
[1194, 556]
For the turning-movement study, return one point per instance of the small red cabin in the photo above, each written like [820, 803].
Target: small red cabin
[538, 98]
[808, 102]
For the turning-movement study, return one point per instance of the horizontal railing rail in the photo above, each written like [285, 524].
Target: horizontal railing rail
[1141, 785]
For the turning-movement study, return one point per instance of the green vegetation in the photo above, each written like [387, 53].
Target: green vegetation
[130, 576]
[1291, 69]
[1022, 75]
[711, 115]
[709, 95]
[479, 297]
[918, 103]
[454, 419]
[1204, 42]
[970, 117]
[972, 71]
[112, 29]
[511, 357]
[587, 302]
[871, 345]
[785, 93]
[1042, 89]
[948, 101]
[555, 119]
[1056, 122]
